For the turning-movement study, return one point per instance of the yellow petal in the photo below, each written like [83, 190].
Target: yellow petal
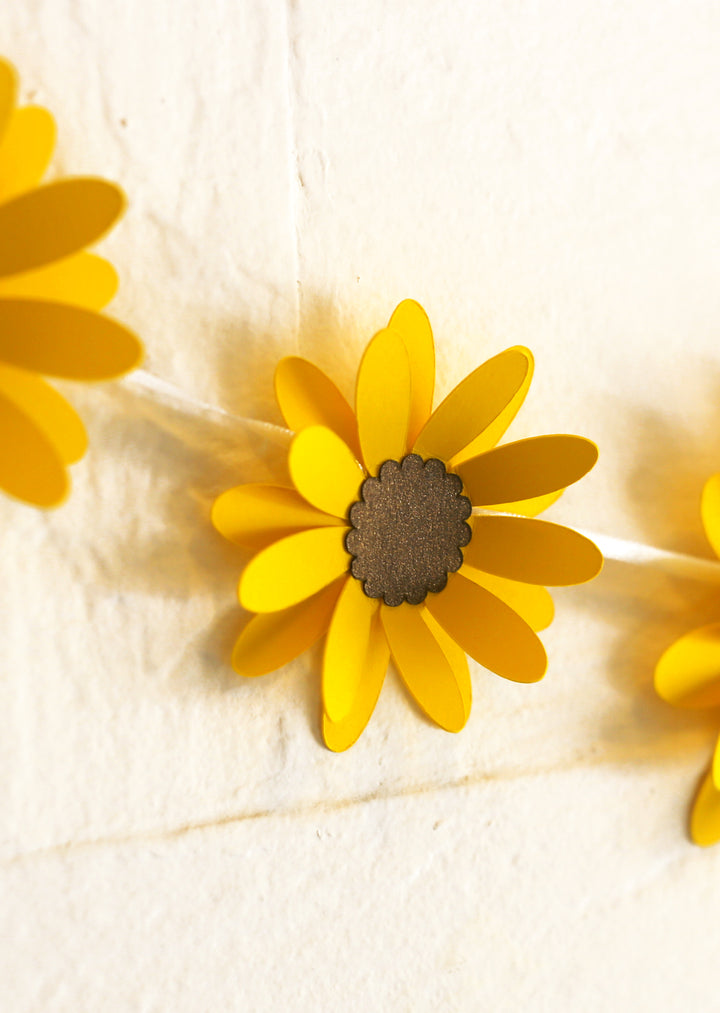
[532, 551]
[293, 569]
[258, 515]
[710, 509]
[688, 673]
[340, 735]
[492, 434]
[473, 405]
[31, 467]
[534, 467]
[324, 470]
[423, 665]
[66, 341]
[8, 94]
[55, 220]
[81, 280]
[531, 602]
[528, 507]
[346, 650]
[308, 397]
[48, 410]
[455, 656]
[26, 150]
[489, 630]
[271, 640]
[411, 323]
[716, 765]
[705, 818]
[383, 400]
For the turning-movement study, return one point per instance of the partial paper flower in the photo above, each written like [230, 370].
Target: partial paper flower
[688, 675]
[51, 290]
[376, 546]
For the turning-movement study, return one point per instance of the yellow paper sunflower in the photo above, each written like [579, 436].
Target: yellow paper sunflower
[375, 544]
[688, 675]
[50, 292]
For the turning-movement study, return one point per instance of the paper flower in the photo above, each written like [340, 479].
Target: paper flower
[50, 292]
[375, 543]
[688, 675]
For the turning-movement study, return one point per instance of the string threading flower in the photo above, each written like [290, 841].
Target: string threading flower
[688, 675]
[51, 290]
[374, 545]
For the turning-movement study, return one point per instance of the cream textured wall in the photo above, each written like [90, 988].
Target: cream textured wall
[543, 172]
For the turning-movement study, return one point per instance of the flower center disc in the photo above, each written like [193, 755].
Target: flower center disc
[408, 528]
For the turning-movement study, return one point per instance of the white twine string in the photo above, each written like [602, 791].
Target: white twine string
[620, 550]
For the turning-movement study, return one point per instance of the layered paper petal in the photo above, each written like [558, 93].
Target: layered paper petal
[688, 673]
[528, 507]
[705, 818]
[273, 639]
[65, 341]
[531, 602]
[31, 468]
[81, 280]
[489, 630]
[455, 656]
[8, 93]
[527, 468]
[340, 735]
[532, 551]
[50, 412]
[346, 650]
[411, 323]
[424, 667]
[56, 220]
[257, 515]
[308, 397]
[710, 509]
[383, 400]
[293, 569]
[25, 150]
[473, 405]
[324, 470]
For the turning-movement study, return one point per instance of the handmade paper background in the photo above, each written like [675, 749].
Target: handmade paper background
[175, 839]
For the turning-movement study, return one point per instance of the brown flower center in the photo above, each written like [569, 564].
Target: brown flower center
[408, 528]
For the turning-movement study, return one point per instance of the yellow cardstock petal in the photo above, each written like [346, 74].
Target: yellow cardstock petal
[8, 94]
[688, 673]
[340, 735]
[493, 433]
[257, 515]
[531, 602]
[293, 569]
[81, 280]
[489, 630]
[424, 667]
[324, 470]
[49, 411]
[383, 400]
[716, 765]
[56, 220]
[26, 150]
[710, 509]
[273, 639]
[473, 405]
[411, 323]
[532, 551]
[705, 818]
[346, 650]
[31, 467]
[527, 468]
[456, 657]
[528, 507]
[308, 397]
[65, 341]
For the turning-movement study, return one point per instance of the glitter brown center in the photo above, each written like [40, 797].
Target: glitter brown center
[408, 528]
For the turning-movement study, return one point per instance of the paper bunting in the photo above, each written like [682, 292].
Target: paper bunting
[51, 290]
[376, 546]
[688, 675]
